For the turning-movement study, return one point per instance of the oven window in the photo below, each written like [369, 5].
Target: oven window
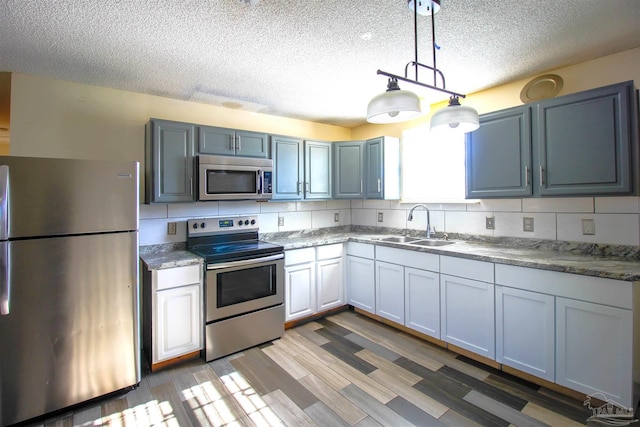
[231, 182]
[247, 284]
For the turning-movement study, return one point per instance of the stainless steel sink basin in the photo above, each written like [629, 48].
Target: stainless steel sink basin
[399, 239]
[432, 242]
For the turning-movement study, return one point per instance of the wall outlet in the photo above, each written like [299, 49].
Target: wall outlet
[336, 217]
[280, 221]
[172, 227]
[589, 227]
[527, 223]
[380, 217]
[490, 223]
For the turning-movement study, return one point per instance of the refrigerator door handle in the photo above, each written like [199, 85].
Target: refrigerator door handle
[4, 202]
[5, 278]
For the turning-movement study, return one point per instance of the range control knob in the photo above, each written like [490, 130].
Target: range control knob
[203, 225]
[195, 225]
[253, 222]
[240, 222]
[246, 222]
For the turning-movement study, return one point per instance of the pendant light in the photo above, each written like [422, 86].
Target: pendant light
[455, 117]
[394, 105]
[390, 107]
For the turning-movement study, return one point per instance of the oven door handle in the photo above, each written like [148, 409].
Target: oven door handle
[244, 262]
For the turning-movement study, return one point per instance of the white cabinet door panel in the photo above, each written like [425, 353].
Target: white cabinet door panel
[300, 297]
[390, 291]
[525, 331]
[422, 301]
[178, 322]
[594, 349]
[467, 314]
[329, 275]
[361, 281]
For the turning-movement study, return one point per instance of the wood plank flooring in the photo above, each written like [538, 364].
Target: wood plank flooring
[344, 370]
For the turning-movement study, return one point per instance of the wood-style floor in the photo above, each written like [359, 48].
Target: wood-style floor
[344, 370]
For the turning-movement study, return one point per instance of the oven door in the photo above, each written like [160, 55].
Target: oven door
[239, 287]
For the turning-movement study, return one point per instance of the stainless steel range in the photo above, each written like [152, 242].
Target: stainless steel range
[244, 284]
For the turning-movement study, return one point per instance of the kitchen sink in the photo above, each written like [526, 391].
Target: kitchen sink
[432, 243]
[399, 239]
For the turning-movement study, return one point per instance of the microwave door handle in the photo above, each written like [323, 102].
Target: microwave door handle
[259, 182]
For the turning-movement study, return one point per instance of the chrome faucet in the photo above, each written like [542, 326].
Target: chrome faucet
[410, 218]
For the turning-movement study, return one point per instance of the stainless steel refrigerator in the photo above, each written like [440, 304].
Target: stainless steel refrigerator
[69, 329]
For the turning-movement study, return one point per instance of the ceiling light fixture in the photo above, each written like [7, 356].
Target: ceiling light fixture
[388, 107]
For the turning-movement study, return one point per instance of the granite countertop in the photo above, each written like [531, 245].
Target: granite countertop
[607, 261]
[613, 262]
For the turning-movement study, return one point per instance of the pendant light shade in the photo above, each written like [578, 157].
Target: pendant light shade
[394, 105]
[425, 7]
[455, 117]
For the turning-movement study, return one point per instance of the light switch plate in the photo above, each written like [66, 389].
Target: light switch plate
[589, 227]
[527, 223]
[380, 216]
[490, 223]
[280, 221]
[336, 217]
[171, 227]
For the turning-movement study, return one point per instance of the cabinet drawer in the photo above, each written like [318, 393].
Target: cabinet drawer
[362, 250]
[329, 251]
[299, 256]
[177, 276]
[408, 258]
[598, 290]
[469, 268]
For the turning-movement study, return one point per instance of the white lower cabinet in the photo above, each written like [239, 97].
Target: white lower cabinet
[422, 301]
[595, 349]
[172, 312]
[467, 305]
[360, 276]
[313, 280]
[525, 331]
[178, 321]
[390, 291]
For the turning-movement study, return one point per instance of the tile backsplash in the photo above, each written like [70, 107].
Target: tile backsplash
[616, 219]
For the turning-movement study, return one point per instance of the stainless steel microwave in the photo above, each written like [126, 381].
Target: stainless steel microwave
[234, 178]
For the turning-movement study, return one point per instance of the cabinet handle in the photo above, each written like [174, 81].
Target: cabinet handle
[526, 175]
[379, 185]
[306, 187]
[361, 189]
[232, 143]
[299, 187]
[239, 143]
[541, 176]
[191, 186]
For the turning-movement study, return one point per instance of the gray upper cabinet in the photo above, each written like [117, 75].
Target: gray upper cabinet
[302, 169]
[348, 161]
[169, 161]
[498, 155]
[287, 168]
[586, 142]
[230, 142]
[382, 168]
[579, 144]
[317, 170]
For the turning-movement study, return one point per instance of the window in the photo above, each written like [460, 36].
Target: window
[432, 166]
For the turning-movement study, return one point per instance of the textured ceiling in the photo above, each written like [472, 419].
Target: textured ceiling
[314, 60]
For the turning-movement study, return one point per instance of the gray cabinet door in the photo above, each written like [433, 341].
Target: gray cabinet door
[498, 155]
[317, 170]
[230, 142]
[287, 168]
[584, 142]
[348, 173]
[374, 168]
[169, 164]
